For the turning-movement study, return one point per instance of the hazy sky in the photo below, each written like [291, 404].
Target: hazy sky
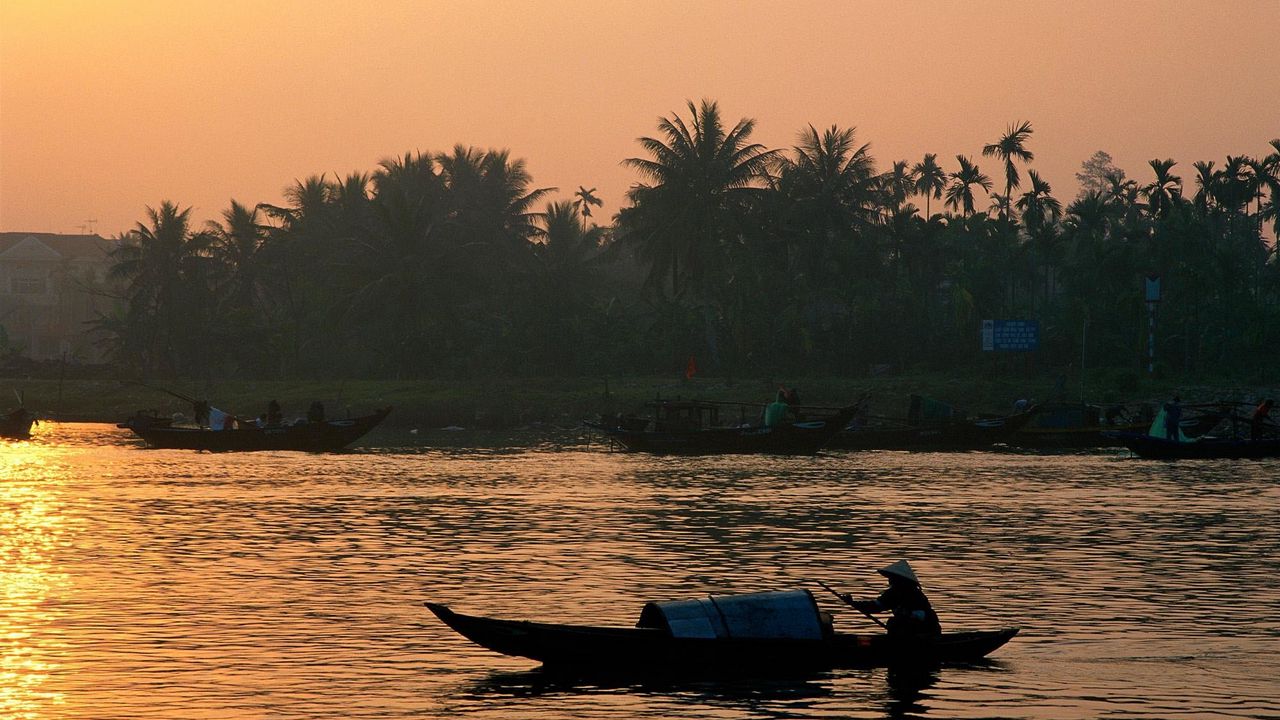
[107, 107]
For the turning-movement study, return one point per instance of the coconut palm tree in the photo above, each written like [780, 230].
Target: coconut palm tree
[832, 197]
[898, 186]
[492, 202]
[165, 269]
[235, 244]
[960, 191]
[700, 180]
[930, 179]
[1010, 147]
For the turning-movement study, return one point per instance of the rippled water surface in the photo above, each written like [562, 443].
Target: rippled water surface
[166, 584]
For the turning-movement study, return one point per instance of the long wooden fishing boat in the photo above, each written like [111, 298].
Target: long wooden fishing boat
[17, 424]
[951, 435]
[664, 437]
[719, 634]
[1081, 425]
[1205, 448]
[310, 436]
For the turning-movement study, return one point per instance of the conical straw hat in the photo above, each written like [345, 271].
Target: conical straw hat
[900, 569]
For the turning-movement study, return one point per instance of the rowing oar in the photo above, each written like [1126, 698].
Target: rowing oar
[845, 599]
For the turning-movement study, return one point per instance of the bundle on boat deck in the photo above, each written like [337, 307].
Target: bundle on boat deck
[771, 632]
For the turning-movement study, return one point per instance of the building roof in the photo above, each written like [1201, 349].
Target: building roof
[92, 247]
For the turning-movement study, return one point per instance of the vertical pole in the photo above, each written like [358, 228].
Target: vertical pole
[1084, 338]
[1151, 338]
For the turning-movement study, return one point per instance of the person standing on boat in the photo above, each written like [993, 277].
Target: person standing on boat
[913, 616]
[1258, 420]
[274, 415]
[776, 411]
[1173, 419]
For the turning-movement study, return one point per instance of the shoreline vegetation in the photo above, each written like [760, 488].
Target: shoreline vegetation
[515, 403]
[815, 260]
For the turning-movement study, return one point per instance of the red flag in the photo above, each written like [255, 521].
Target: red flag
[691, 369]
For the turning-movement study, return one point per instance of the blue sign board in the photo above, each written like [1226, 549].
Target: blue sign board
[1010, 335]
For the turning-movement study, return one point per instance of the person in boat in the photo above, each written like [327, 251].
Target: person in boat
[274, 415]
[1259, 419]
[913, 616]
[1172, 419]
[776, 412]
[315, 413]
[200, 411]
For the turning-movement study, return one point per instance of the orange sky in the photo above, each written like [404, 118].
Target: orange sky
[106, 107]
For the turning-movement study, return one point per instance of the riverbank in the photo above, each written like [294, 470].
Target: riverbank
[505, 403]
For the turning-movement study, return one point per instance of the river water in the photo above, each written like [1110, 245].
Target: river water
[168, 584]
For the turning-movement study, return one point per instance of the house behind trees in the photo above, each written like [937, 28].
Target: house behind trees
[50, 290]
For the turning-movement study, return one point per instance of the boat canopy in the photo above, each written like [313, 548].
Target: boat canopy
[790, 614]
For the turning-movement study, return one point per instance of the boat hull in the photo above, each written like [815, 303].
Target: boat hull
[323, 436]
[608, 649]
[17, 427]
[954, 436]
[1157, 448]
[800, 438]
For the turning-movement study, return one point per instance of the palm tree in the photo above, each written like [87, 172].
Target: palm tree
[833, 196]
[1038, 207]
[586, 198]
[236, 242]
[960, 191]
[701, 180]
[930, 178]
[163, 264]
[1206, 184]
[898, 185]
[491, 198]
[1269, 177]
[1165, 191]
[1010, 147]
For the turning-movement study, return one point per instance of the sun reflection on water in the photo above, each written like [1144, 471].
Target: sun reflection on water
[31, 528]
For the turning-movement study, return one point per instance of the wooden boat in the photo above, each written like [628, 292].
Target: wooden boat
[689, 427]
[17, 424]
[1081, 425]
[740, 637]
[311, 436]
[953, 433]
[1209, 447]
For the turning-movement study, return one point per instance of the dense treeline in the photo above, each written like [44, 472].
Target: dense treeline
[751, 259]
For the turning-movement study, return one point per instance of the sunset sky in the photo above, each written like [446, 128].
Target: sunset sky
[107, 107]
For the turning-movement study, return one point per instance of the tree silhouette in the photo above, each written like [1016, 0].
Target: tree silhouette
[1011, 147]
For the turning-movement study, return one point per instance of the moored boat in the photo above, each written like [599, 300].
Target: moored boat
[776, 631]
[1205, 448]
[17, 424]
[309, 436]
[689, 428]
[922, 431]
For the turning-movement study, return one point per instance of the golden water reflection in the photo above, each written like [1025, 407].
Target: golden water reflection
[31, 529]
